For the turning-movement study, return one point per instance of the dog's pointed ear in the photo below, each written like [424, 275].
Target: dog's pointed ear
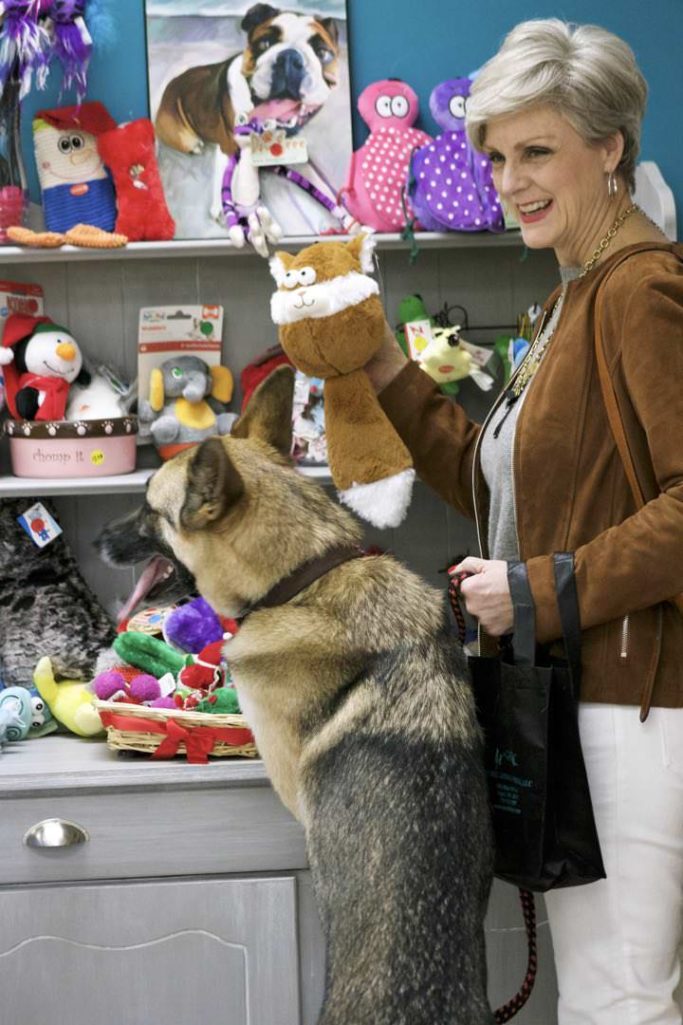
[268, 415]
[256, 15]
[279, 265]
[213, 485]
[330, 26]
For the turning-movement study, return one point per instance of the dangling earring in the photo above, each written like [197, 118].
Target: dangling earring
[612, 187]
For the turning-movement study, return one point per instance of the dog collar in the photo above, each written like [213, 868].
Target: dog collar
[301, 577]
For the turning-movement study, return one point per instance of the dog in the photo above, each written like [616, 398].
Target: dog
[286, 71]
[356, 692]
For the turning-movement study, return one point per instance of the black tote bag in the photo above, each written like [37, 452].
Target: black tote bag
[527, 705]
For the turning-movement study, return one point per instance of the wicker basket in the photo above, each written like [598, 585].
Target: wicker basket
[165, 732]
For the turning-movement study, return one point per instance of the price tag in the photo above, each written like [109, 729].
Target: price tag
[273, 147]
[40, 526]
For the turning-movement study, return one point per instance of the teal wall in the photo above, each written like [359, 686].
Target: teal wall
[426, 41]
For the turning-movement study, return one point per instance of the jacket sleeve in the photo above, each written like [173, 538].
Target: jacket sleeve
[639, 562]
[440, 437]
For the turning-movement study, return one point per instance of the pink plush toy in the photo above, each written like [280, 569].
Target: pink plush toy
[376, 188]
[143, 689]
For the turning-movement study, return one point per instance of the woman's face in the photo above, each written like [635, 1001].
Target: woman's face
[553, 181]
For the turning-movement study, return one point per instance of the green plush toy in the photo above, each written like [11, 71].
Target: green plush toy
[221, 701]
[149, 654]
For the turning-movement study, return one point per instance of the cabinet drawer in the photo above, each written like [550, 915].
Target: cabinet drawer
[141, 834]
[185, 952]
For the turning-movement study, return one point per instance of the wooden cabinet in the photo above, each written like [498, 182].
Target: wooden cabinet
[190, 901]
[186, 901]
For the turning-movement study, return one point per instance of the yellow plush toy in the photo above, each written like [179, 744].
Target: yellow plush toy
[331, 322]
[70, 701]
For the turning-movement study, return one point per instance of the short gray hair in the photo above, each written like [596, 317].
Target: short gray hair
[586, 73]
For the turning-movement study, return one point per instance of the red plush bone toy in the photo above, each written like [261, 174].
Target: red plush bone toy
[128, 152]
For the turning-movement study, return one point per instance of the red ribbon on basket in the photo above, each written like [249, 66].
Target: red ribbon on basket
[198, 740]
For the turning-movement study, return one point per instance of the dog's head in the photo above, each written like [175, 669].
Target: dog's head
[290, 61]
[231, 517]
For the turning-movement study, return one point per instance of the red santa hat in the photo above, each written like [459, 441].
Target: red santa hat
[90, 117]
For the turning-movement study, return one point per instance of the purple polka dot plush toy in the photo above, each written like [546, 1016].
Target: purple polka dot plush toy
[451, 187]
[375, 191]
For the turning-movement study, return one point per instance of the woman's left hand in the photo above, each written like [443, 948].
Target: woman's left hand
[487, 594]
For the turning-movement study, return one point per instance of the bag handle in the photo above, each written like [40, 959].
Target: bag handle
[612, 407]
[568, 605]
[524, 613]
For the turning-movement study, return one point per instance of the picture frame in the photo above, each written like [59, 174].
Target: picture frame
[215, 63]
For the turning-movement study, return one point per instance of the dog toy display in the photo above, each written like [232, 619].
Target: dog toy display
[47, 607]
[375, 190]
[331, 322]
[451, 186]
[70, 701]
[76, 187]
[41, 360]
[128, 152]
[187, 403]
[33, 32]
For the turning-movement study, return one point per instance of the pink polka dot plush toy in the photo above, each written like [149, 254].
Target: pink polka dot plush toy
[375, 190]
[451, 187]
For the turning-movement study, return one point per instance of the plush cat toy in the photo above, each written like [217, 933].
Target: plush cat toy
[331, 322]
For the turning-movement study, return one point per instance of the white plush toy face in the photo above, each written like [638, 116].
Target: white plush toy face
[322, 280]
[65, 156]
[53, 354]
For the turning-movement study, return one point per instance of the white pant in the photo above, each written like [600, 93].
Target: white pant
[617, 941]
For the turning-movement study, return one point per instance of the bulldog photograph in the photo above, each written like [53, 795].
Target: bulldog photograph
[358, 696]
[221, 72]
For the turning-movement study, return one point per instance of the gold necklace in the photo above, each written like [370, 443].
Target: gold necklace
[606, 239]
[532, 360]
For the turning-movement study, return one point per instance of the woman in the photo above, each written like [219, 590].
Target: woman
[558, 110]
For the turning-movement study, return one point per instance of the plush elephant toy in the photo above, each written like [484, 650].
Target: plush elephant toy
[187, 400]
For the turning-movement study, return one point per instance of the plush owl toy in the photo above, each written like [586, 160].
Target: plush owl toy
[331, 322]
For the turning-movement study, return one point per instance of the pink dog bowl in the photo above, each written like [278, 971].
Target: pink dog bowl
[72, 448]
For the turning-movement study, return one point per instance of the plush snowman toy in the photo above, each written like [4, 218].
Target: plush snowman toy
[41, 360]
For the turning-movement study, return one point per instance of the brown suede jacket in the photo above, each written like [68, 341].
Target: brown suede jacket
[571, 492]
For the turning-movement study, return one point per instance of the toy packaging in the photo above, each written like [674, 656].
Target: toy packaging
[183, 391]
[309, 442]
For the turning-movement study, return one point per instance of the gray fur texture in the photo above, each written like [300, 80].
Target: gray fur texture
[46, 607]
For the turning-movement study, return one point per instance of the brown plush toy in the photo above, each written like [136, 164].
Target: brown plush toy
[331, 322]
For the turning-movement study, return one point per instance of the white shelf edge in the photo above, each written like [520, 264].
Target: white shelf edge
[223, 247]
[125, 483]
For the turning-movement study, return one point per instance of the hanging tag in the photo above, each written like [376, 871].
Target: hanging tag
[273, 147]
[40, 526]
[418, 335]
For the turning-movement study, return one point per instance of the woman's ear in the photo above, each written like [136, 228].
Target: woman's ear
[613, 147]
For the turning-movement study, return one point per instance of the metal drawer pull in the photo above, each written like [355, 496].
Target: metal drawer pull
[55, 833]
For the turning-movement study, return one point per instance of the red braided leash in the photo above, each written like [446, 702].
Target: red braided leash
[526, 898]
